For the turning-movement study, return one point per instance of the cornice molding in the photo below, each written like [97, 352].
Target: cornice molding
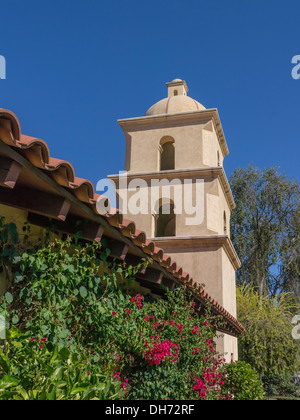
[180, 118]
[205, 241]
[216, 172]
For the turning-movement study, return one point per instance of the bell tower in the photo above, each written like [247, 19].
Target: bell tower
[175, 177]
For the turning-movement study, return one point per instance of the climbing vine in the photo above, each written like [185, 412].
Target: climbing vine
[77, 328]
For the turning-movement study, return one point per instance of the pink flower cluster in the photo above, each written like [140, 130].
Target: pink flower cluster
[138, 300]
[180, 327]
[161, 351]
[41, 341]
[210, 381]
[201, 387]
[196, 350]
[211, 346]
[117, 376]
[195, 329]
[125, 384]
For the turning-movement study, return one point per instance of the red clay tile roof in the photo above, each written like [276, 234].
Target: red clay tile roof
[62, 172]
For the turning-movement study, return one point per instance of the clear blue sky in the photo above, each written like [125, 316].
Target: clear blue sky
[74, 68]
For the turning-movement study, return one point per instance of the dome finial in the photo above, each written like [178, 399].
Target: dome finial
[176, 102]
[177, 87]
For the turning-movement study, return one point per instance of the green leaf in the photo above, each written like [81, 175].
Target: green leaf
[18, 277]
[96, 358]
[57, 374]
[51, 396]
[14, 332]
[9, 298]
[8, 382]
[83, 292]
[64, 353]
[80, 388]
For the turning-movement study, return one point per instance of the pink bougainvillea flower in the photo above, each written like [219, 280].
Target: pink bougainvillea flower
[180, 327]
[161, 351]
[117, 376]
[114, 313]
[125, 384]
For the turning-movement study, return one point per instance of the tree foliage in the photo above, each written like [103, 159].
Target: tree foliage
[265, 228]
[268, 345]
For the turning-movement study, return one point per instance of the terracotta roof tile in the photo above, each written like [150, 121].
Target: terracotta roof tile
[37, 152]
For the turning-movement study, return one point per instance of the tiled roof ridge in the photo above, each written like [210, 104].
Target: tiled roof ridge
[37, 152]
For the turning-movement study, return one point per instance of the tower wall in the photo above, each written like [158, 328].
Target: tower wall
[202, 247]
[196, 144]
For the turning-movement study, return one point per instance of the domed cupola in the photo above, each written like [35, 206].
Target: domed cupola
[176, 102]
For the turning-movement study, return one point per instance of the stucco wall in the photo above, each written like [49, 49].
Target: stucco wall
[196, 145]
[35, 234]
[209, 208]
[228, 285]
[228, 345]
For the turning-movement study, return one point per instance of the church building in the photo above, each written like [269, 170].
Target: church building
[179, 146]
[174, 204]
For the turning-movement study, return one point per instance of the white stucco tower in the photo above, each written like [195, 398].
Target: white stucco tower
[182, 142]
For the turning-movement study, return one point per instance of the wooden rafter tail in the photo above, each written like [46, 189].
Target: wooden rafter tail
[9, 172]
[37, 202]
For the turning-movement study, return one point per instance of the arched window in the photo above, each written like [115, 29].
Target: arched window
[165, 220]
[167, 154]
[175, 92]
[218, 158]
[225, 223]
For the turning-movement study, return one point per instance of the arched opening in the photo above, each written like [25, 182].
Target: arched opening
[218, 158]
[225, 223]
[175, 92]
[165, 220]
[167, 154]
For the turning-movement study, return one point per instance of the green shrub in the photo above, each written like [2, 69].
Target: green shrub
[32, 369]
[242, 382]
[281, 385]
[156, 348]
[83, 336]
